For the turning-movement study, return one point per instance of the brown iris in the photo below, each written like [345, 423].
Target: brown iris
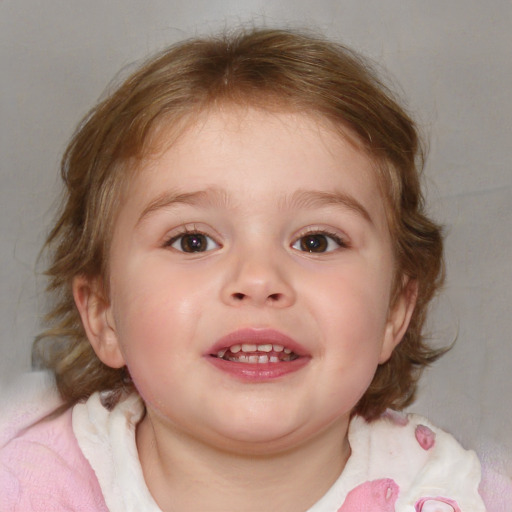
[314, 243]
[193, 242]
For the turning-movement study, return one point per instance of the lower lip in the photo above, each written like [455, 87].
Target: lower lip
[260, 372]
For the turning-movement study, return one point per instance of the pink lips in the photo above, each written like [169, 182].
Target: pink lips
[257, 372]
[257, 337]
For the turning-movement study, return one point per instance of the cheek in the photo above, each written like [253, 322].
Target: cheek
[355, 324]
[357, 302]
[152, 335]
[156, 311]
[152, 292]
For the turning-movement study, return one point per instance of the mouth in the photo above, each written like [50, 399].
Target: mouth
[258, 354]
[250, 353]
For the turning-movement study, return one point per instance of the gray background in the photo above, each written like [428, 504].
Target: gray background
[452, 59]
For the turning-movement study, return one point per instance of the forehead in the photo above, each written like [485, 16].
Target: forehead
[254, 153]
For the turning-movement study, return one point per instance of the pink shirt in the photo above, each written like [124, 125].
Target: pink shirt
[44, 470]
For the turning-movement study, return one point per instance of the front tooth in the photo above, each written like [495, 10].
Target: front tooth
[274, 359]
[265, 348]
[235, 349]
[278, 348]
[248, 348]
[263, 359]
[253, 359]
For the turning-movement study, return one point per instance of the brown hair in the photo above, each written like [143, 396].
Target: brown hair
[269, 68]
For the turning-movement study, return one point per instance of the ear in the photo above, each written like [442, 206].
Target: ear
[96, 314]
[399, 317]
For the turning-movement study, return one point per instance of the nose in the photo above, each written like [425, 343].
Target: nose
[258, 280]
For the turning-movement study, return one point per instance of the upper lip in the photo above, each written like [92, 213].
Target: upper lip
[257, 336]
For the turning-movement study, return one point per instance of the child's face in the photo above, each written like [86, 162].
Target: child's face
[211, 251]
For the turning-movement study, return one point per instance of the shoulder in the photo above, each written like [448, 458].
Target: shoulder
[423, 464]
[42, 468]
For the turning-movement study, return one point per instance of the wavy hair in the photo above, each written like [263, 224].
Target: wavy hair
[273, 69]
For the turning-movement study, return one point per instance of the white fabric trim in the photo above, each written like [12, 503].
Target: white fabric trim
[107, 440]
[383, 449]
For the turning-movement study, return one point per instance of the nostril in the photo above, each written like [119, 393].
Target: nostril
[238, 296]
[274, 297]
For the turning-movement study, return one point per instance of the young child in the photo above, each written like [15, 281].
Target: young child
[242, 267]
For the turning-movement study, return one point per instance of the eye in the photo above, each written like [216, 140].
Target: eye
[192, 242]
[318, 242]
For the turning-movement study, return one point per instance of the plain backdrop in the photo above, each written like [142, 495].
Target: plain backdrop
[452, 60]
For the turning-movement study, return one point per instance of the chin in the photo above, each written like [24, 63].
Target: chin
[264, 435]
[275, 441]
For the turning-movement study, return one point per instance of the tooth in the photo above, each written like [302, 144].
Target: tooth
[287, 351]
[274, 359]
[248, 348]
[278, 348]
[235, 349]
[265, 348]
[242, 359]
[220, 353]
[263, 359]
[253, 359]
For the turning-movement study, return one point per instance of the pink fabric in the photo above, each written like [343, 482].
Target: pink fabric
[425, 437]
[396, 417]
[438, 504]
[44, 470]
[375, 496]
[495, 489]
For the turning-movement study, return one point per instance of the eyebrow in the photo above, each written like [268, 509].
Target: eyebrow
[213, 196]
[208, 197]
[316, 198]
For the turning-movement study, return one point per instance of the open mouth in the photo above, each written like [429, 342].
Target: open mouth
[257, 354]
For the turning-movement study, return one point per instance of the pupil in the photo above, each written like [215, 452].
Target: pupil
[193, 243]
[314, 243]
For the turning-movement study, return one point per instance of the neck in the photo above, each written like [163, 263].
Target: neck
[185, 474]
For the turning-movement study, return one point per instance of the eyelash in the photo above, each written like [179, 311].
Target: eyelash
[340, 242]
[190, 232]
[328, 235]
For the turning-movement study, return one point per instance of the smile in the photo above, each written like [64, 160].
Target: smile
[257, 354]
